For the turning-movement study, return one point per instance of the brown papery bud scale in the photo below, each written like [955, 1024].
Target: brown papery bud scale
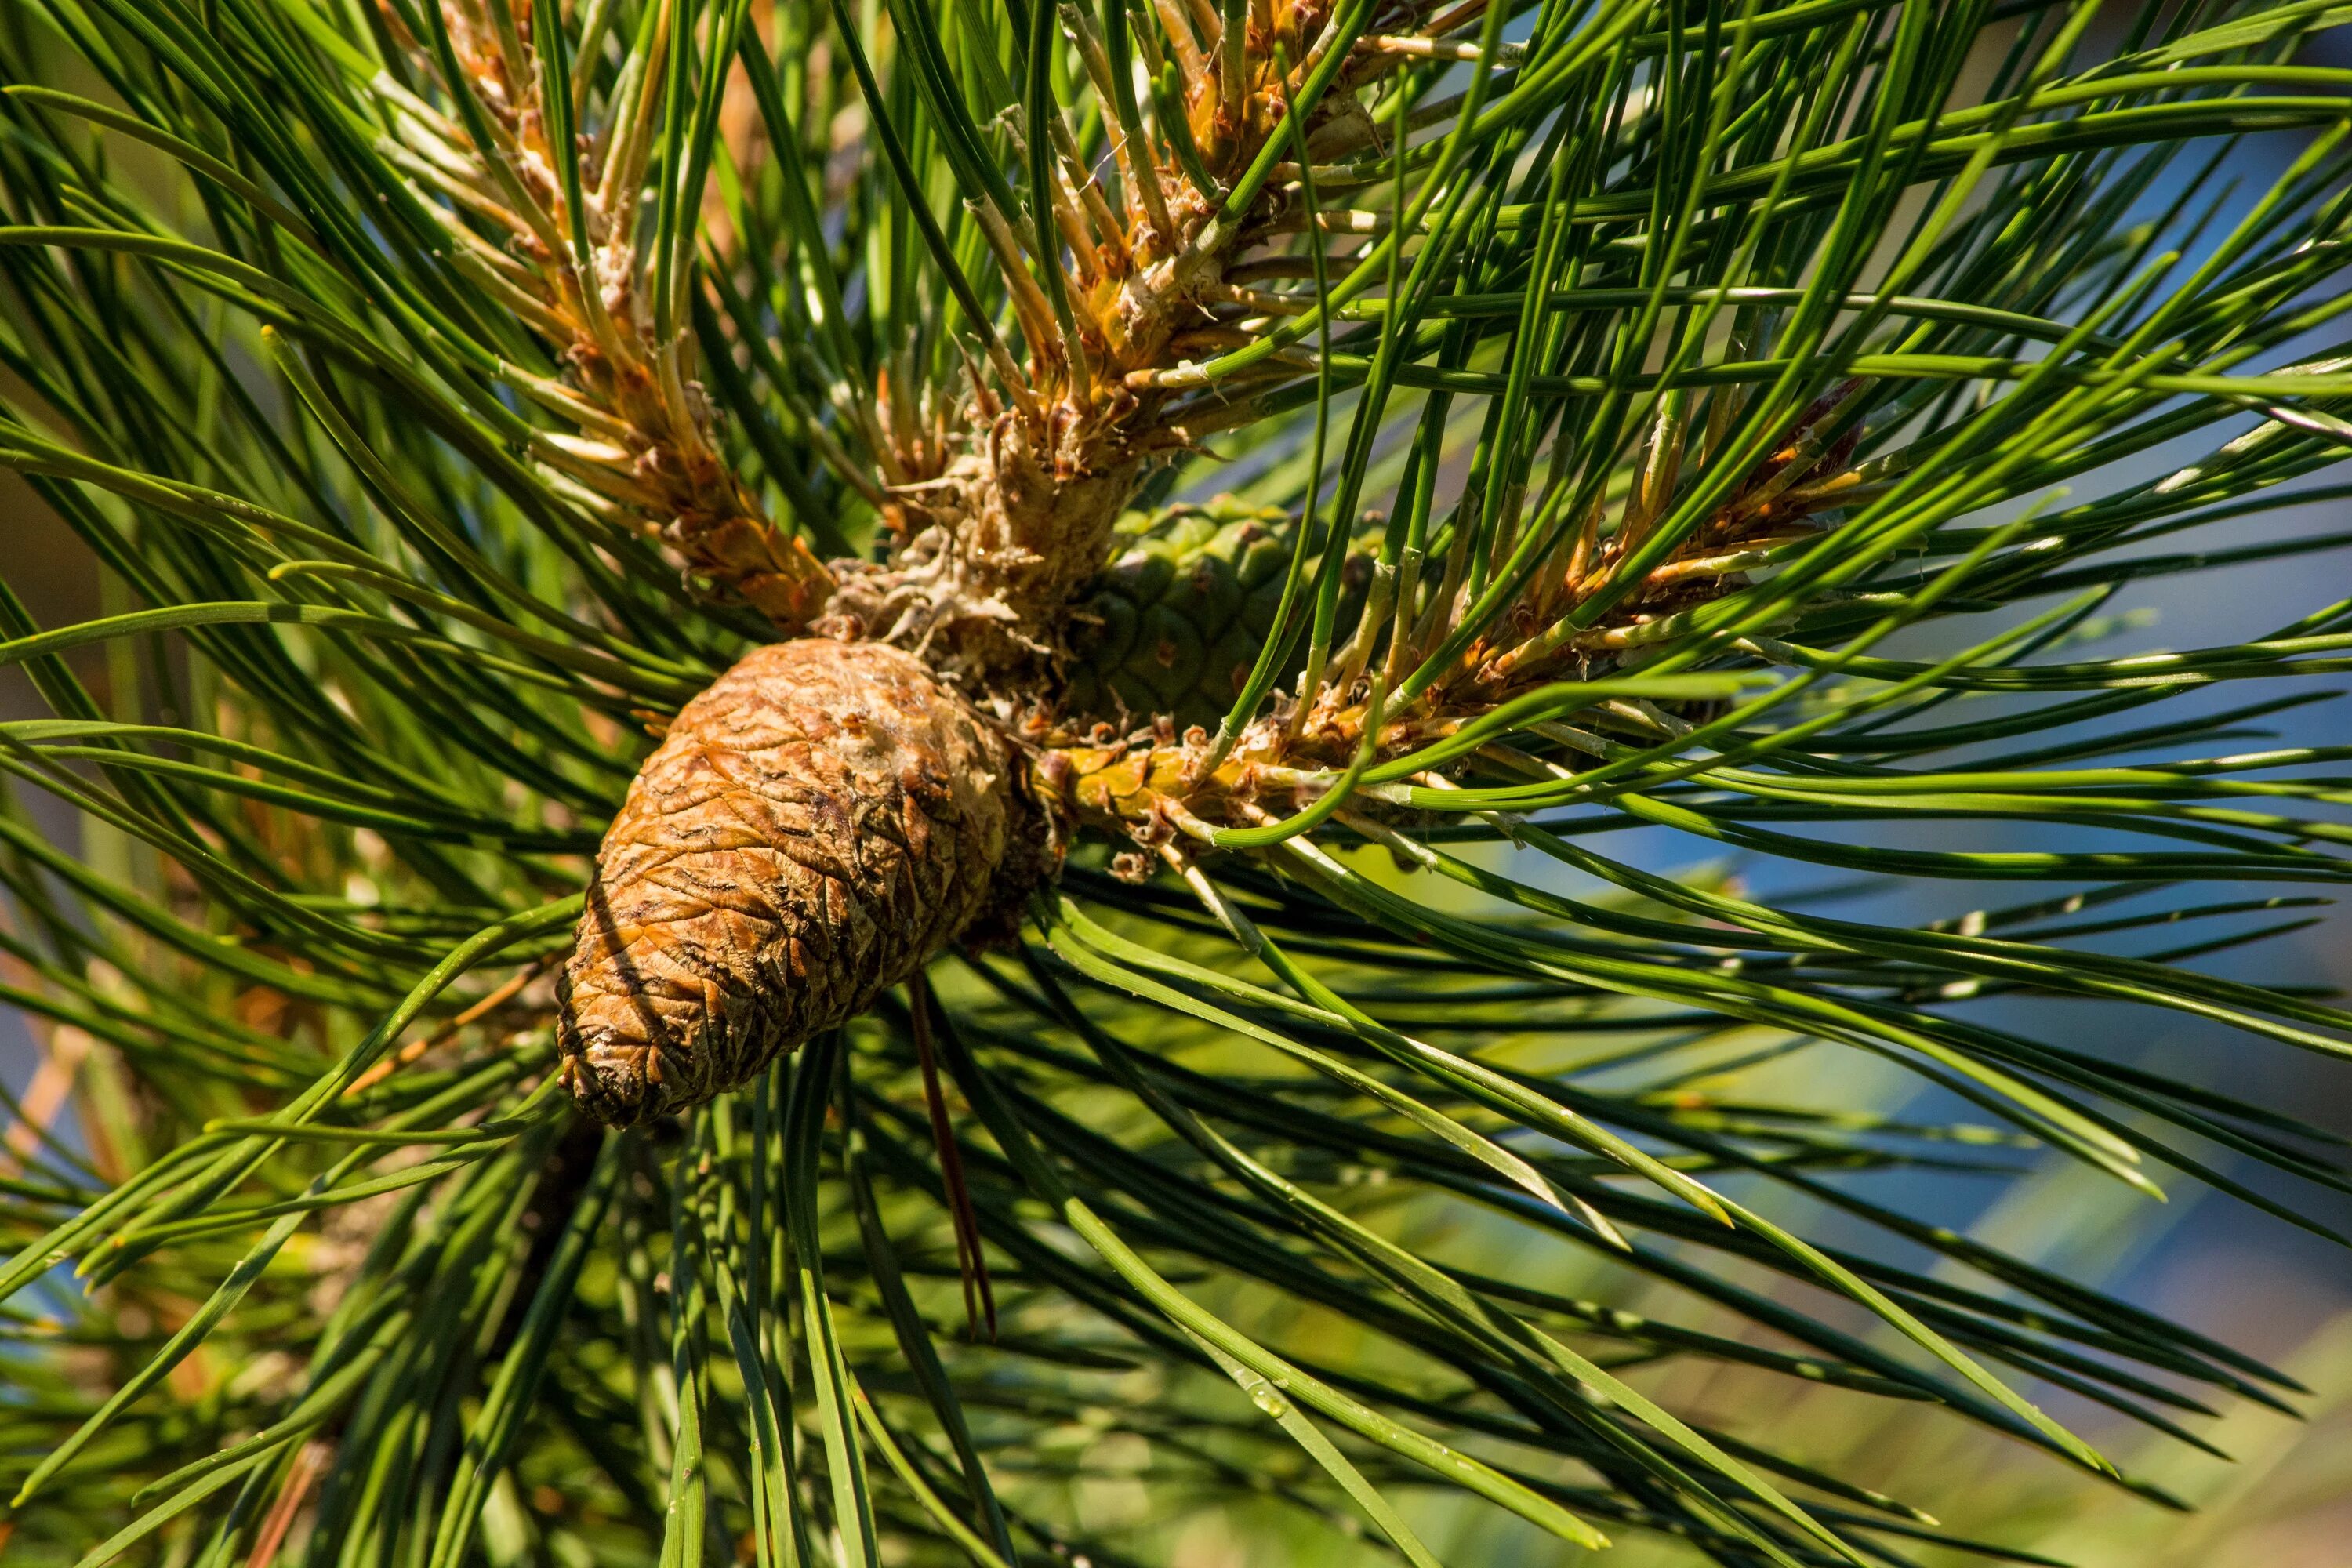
[815, 826]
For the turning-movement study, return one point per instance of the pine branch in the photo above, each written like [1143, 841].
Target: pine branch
[1753, 423]
[566, 241]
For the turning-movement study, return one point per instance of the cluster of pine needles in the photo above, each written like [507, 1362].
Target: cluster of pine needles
[1308, 1167]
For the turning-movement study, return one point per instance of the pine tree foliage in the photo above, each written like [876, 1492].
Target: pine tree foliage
[1369, 454]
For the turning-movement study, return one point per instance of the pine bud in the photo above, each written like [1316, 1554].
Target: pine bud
[815, 826]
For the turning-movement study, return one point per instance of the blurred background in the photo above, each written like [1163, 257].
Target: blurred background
[2282, 1499]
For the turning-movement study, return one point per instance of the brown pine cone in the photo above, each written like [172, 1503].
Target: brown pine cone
[816, 825]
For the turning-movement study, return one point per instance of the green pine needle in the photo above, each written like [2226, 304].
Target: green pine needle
[1350, 1183]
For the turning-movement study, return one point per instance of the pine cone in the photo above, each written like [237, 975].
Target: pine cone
[816, 825]
[1175, 622]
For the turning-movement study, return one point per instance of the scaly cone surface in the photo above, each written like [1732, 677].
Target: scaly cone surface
[816, 825]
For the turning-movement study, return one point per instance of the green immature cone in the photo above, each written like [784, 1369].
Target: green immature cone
[1174, 624]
